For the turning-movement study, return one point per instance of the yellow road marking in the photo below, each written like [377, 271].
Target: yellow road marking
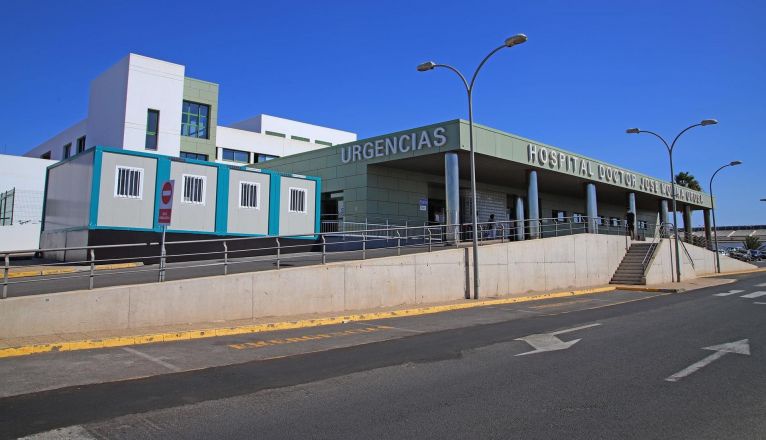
[566, 303]
[273, 342]
[276, 326]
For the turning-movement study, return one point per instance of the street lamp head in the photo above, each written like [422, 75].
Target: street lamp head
[708, 122]
[632, 131]
[736, 162]
[428, 65]
[514, 40]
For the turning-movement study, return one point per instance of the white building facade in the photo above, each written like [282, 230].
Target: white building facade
[146, 104]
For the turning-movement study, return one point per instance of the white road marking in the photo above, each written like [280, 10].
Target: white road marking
[756, 302]
[738, 347]
[761, 285]
[157, 361]
[543, 342]
[754, 294]
[730, 292]
[76, 432]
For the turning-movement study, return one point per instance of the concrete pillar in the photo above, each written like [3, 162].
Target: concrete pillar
[452, 196]
[591, 207]
[533, 209]
[664, 217]
[688, 223]
[632, 208]
[708, 229]
[519, 218]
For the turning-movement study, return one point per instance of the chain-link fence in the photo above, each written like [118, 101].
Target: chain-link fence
[19, 207]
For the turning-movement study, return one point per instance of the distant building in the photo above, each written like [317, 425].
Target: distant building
[146, 104]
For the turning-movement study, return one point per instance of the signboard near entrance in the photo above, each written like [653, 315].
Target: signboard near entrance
[166, 202]
[423, 204]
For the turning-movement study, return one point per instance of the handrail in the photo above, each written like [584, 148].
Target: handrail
[650, 252]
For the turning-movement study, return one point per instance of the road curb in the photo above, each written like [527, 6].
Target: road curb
[122, 341]
[741, 272]
[649, 289]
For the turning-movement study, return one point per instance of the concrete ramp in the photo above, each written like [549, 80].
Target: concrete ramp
[506, 269]
[695, 261]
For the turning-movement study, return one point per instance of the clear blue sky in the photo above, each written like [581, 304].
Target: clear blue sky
[590, 70]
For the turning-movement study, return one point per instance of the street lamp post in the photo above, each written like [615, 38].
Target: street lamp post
[430, 65]
[712, 208]
[670, 148]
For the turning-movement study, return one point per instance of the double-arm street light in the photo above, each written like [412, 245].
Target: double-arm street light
[430, 65]
[670, 148]
[712, 207]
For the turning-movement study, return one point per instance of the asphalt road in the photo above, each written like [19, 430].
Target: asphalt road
[453, 375]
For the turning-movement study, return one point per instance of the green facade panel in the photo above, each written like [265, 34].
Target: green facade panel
[202, 92]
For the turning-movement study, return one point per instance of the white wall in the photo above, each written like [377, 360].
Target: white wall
[662, 268]
[23, 172]
[106, 106]
[259, 143]
[158, 85]
[27, 175]
[263, 123]
[56, 144]
[19, 237]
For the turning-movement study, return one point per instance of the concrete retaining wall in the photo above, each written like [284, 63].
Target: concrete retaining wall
[662, 268]
[506, 269]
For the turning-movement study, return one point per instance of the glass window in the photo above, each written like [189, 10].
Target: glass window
[317, 141]
[194, 119]
[578, 217]
[614, 221]
[297, 200]
[235, 155]
[559, 216]
[264, 157]
[81, 144]
[195, 156]
[194, 189]
[248, 195]
[127, 182]
[274, 133]
[67, 150]
[152, 128]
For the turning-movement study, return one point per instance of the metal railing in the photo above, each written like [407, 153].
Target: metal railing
[261, 253]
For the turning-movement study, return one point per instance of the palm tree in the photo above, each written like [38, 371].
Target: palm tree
[752, 242]
[687, 180]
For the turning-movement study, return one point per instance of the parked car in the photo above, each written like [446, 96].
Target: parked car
[740, 254]
[756, 255]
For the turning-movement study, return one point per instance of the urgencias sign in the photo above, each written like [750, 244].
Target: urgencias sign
[393, 145]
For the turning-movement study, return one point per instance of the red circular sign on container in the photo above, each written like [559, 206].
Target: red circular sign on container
[167, 192]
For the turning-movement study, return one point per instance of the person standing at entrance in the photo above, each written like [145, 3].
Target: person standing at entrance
[632, 225]
[491, 226]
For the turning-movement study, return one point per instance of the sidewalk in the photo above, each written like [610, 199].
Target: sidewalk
[11, 347]
[683, 286]
[35, 271]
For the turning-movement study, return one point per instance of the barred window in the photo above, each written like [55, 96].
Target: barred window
[297, 200]
[128, 182]
[248, 195]
[194, 189]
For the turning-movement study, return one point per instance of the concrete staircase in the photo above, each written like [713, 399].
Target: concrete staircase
[631, 269]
